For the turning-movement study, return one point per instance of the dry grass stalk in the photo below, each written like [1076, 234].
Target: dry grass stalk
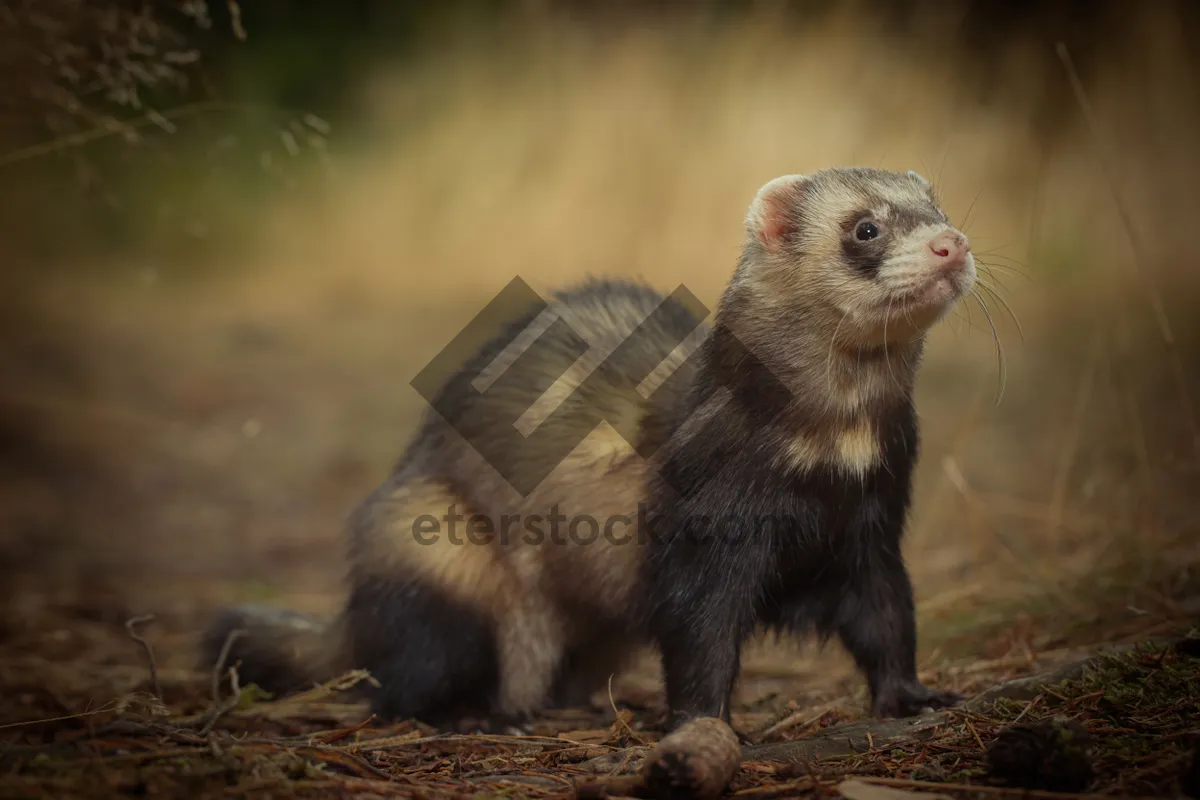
[1187, 407]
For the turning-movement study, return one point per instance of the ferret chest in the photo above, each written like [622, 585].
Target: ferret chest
[826, 546]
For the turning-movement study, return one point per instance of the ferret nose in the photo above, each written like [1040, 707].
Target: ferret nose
[949, 249]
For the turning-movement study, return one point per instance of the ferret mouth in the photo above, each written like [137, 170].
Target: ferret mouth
[936, 292]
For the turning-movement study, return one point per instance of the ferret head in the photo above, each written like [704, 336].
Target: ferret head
[865, 252]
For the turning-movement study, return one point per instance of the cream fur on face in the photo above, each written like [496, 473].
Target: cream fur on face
[797, 226]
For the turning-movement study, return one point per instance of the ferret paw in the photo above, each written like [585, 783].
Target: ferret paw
[912, 700]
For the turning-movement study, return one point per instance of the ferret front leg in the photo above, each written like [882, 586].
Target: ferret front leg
[877, 623]
[700, 658]
[703, 614]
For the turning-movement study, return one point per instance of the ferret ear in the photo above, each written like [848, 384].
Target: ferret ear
[919, 178]
[775, 213]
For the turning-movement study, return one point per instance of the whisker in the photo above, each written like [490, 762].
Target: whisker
[970, 319]
[1008, 268]
[956, 330]
[995, 286]
[967, 219]
[983, 269]
[1003, 376]
[1014, 264]
[1003, 268]
[995, 295]
[957, 313]
[981, 258]
[995, 251]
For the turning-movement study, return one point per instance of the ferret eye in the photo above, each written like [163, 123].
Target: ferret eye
[866, 231]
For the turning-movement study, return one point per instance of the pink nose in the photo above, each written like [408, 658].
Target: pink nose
[949, 249]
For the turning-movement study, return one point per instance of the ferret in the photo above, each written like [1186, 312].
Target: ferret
[610, 470]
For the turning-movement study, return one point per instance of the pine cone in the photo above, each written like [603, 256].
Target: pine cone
[1052, 756]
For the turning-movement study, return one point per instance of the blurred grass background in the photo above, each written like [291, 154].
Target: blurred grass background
[210, 326]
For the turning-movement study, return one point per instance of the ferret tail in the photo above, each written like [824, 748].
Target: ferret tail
[280, 651]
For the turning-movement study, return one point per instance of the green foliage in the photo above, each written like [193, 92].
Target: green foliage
[252, 694]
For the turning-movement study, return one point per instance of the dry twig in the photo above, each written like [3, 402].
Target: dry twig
[132, 623]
